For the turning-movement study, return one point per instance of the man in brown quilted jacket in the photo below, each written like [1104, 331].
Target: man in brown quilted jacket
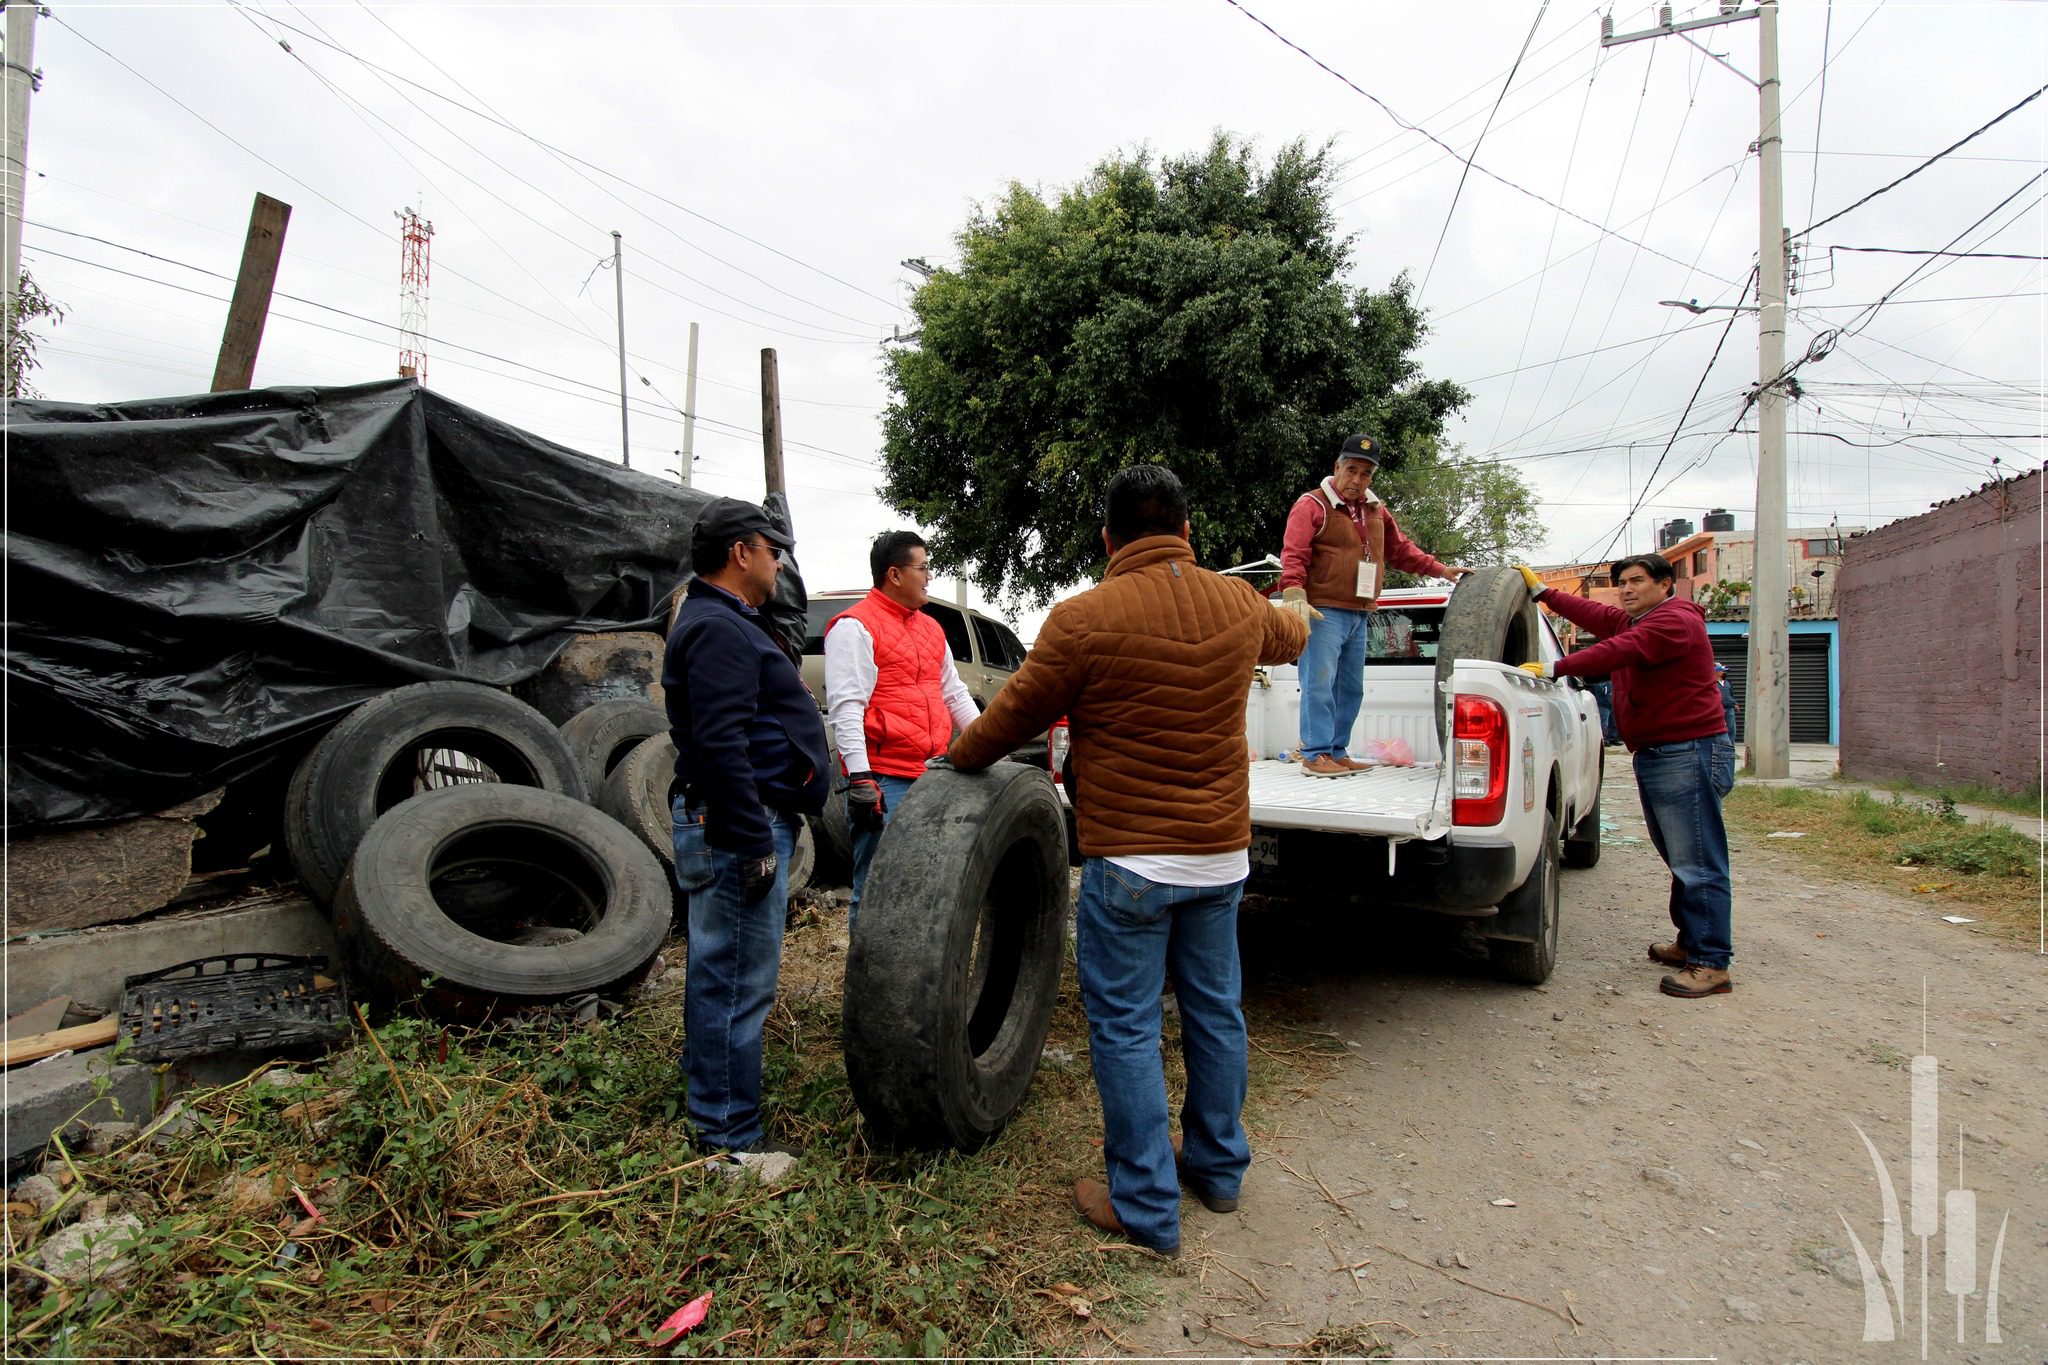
[1151, 668]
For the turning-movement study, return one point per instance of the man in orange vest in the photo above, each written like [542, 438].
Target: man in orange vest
[892, 695]
[1340, 542]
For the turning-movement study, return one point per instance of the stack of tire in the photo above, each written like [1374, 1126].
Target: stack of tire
[450, 831]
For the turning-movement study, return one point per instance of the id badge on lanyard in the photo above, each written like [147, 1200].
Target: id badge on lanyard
[1368, 577]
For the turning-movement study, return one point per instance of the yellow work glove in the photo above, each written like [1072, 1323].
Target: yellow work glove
[1295, 600]
[1530, 577]
[1536, 670]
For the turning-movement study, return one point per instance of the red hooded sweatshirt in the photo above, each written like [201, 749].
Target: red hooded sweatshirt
[1663, 667]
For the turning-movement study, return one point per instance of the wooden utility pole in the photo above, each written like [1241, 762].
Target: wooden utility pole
[249, 308]
[771, 422]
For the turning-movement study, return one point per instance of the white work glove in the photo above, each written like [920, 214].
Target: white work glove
[1294, 601]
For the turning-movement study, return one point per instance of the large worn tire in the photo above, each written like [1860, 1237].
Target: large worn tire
[955, 960]
[1533, 902]
[1490, 616]
[636, 795]
[1582, 845]
[375, 759]
[473, 898]
[835, 834]
[601, 736]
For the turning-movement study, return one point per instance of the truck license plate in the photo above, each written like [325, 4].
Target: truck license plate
[1265, 849]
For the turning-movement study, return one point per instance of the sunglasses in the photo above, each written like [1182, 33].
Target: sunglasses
[775, 550]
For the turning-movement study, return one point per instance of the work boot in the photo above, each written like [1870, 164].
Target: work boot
[1322, 765]
[1213, 1203]
[1352, 763]
[1697, 981]
[1668, 954]
[1091, 1197]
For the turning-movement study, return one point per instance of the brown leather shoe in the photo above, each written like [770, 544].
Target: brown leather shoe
[1667, 954]
[1091, 1197]
[1210, 1202]
[1697, 981]
[1322, 765]
[1354, 764]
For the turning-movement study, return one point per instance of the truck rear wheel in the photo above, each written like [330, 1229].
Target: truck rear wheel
[1533, 902]
[1490, 616]
[955, 959]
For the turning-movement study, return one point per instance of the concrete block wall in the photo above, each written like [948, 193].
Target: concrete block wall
[1941, 643]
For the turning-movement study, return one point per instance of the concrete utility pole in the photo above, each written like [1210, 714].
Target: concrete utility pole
[771, 422]
[17, 83]
[690, 413]
[619, 279]
[1769, 715]
[249, 305]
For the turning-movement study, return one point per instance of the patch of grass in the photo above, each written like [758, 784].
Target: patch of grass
[1884, 1054]
[1911, 846]
[529, 1189]
[1973, 794]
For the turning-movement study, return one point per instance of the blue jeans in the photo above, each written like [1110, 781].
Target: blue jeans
[894, 789]
[1332, 680]
[1129, 934]
[1682, 785]
[735, 958]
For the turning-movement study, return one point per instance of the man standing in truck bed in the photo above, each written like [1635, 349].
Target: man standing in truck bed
[1339, 544]
[1151, 668]
[1667, 705]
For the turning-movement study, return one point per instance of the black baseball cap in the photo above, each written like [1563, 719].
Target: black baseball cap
[1360, 448]
[728, 521]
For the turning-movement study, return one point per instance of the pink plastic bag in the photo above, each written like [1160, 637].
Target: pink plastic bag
[1390, 753]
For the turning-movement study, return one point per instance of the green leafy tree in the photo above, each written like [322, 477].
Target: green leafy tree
[30, 303]
[1461, 511]
[1192, 313]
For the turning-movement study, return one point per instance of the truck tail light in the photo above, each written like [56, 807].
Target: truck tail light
[1479, 775]
[1057, 745]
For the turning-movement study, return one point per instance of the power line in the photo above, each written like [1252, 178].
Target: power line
[607, 396]
[1458, 193]
[1951, 255]
[1886, 188]
[1827, 42]
[1601, 228]
[510, 127]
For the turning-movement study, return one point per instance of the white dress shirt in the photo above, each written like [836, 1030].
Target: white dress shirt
[850, 680]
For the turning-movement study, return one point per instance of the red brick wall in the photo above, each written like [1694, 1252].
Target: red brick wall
[1941, 643]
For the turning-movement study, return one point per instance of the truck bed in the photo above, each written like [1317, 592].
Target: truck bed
[1399, 803]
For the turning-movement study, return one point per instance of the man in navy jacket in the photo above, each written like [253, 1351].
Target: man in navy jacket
[1667, 705]
[750, 762]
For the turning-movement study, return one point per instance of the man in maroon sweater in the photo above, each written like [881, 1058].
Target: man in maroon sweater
[1667, 705]
[1339, 543]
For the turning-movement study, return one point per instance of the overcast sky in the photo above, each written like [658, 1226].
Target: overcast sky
[770, 167]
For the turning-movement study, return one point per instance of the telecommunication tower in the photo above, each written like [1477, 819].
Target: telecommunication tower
[415, 253]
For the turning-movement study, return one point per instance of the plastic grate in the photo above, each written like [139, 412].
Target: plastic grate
[235, 1002]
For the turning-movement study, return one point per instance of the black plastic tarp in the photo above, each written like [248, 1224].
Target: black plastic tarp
[199, 585]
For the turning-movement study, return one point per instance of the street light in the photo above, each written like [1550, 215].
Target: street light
[1695, 306]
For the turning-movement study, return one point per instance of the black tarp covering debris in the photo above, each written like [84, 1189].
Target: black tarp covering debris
[199, 586]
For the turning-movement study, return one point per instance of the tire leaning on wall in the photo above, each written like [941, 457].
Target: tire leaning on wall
[379, 754]
[1490, 616]
[577, 904]
[955, 960]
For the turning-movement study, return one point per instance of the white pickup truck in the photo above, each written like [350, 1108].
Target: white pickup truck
[1482, 835]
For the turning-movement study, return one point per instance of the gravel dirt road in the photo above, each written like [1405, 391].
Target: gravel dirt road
[1679, 1171]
